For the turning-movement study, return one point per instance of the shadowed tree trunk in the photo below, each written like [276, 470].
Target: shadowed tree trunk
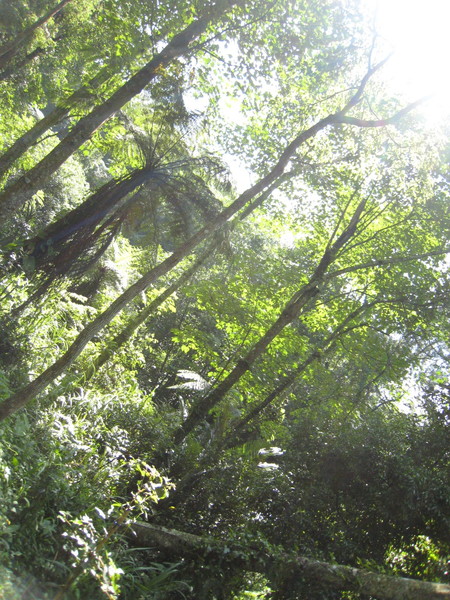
[15, 195]
[30, 137]
[239, 433]
[276, 565]
[9, 50]
[19, 64]
[239, 429]
[128, 331]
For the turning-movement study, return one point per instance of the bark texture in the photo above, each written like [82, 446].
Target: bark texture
[9, 50]
[331, 576]
[291, 311]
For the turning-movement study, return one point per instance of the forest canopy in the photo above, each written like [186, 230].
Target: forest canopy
[224, 360]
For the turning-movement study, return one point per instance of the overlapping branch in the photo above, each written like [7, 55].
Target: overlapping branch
[60, 366]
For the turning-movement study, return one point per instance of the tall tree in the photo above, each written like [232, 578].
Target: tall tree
[14, 196]
[55, 116]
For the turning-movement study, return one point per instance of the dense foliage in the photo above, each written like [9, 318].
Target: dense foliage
[224, 301]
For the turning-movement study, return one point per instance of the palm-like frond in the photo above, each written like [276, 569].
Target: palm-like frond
[160, 203]
[194, 381]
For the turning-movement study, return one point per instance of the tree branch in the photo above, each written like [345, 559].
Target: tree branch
[340, 118]
[394, 260]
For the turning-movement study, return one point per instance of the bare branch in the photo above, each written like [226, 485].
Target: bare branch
[362, 86]
[387, 262]
[341, 118]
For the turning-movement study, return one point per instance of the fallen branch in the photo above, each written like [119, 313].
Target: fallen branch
[336, 577]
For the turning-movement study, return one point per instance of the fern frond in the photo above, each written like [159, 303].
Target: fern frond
[195, 382]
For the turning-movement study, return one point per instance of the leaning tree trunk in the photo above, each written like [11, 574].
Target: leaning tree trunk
[9, 50]
[10, 71]
[240, 433]
[19, 399]
[239, 429]
[274, 565]
[299, 301]
[15, 195]
[60, 112]
[128, 331]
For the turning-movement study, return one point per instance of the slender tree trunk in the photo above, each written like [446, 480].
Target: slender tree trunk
[9, 50]
[20, 398]
[333, 577]
[239, 428]
[18, 65]
[291, 311]
[239, 433]
[128, 331]
[15, 195]
[30, 137]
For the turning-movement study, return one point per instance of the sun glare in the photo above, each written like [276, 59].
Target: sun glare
[417, 31]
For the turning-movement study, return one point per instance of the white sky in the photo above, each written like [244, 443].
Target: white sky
[419, 33]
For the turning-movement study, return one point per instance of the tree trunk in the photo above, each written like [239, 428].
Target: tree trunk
[204, 406]
[15, 195]
[30, 137]
[239, 433]
[332, 577]
[239, 429]
[128, 331]
[20, 398]
[9, 50]
[18, 65]
[290, 312]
